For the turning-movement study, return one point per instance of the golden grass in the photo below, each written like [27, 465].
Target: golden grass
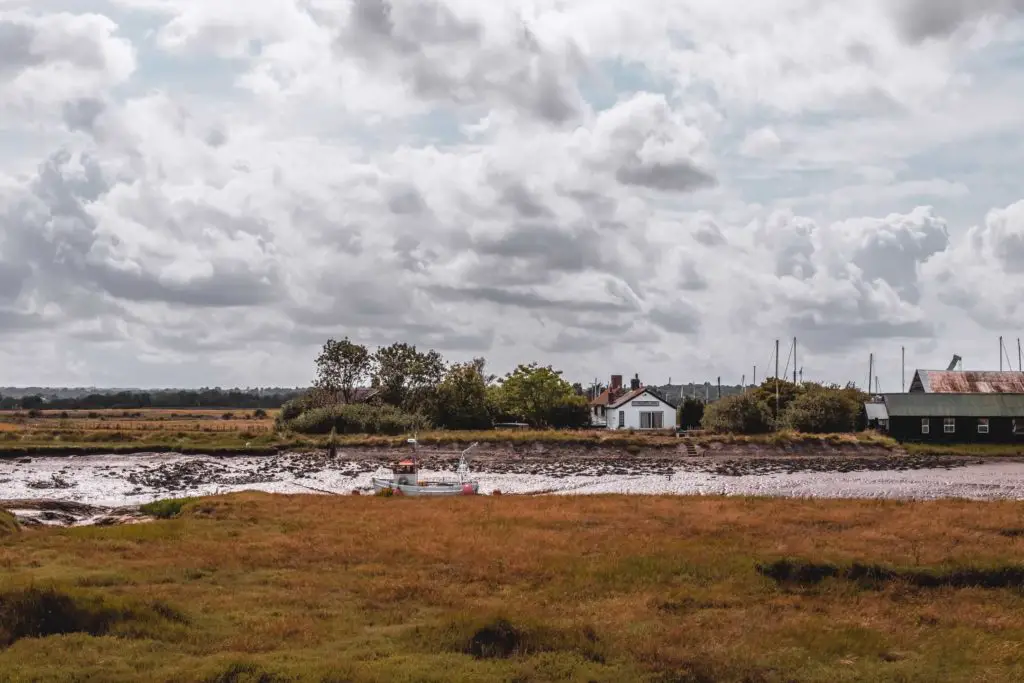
[613, 588]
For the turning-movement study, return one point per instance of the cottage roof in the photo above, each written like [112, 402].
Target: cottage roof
[629, 396]
[967, 382]
[954, 405]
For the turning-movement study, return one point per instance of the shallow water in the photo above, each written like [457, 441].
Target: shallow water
[123, 481]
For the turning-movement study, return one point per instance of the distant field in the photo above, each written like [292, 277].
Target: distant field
[257, 587]
[187, 427]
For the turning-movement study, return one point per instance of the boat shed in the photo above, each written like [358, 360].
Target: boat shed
[955, 418]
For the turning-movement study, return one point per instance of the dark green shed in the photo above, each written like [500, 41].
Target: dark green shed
[956, 418]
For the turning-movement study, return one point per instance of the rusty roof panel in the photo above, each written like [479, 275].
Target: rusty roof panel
[972, 382]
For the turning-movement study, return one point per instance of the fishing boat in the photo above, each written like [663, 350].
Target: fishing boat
[404, 479]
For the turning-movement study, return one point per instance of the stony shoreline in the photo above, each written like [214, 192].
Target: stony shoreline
[71, 491]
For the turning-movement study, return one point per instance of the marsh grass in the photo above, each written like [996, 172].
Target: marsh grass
[236, 436]
[166, 509]
[35, 612]
[8, 524]
[603, 588]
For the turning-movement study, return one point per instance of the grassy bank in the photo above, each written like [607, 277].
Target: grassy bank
[244, 433]
[976, 450]
[257, 587]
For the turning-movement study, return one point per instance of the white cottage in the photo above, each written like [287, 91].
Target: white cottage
[641, 408]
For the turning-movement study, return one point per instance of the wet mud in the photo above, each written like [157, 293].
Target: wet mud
[94, 489]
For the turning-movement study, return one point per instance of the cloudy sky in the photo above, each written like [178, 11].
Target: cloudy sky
[200, 192]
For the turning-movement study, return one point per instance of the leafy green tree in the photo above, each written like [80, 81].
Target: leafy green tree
[738, 414]
[407, 378]
[539, 396]
[788, 391]
[462, 399]
[826, 409]
[341, 367]
[691, 413]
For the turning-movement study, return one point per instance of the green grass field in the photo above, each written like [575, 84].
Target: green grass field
[256, 587]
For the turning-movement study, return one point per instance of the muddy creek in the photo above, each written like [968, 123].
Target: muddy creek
[120, 482]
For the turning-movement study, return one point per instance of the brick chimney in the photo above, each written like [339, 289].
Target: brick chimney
[615, 388]
[634, 383]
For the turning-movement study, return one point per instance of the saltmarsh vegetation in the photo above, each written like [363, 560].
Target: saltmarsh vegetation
[608, 588]
[8, 524]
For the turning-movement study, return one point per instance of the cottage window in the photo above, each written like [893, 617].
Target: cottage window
[651, 420]
[1018, 425]
[983, 425]
[949, 425]
[926, 425]
[622, 419]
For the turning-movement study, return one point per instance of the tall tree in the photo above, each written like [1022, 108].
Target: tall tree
[405, 376]
[462, 401]
[691, 413]
[739, 414]
[539, 396]
[341, 367]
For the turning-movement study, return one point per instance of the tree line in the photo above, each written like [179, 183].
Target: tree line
[777, 405]
[400, 388]
[200, 398]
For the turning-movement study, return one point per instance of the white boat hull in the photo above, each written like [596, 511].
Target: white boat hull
[428, 488]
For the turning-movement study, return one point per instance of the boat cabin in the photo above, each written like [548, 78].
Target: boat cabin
[406, 473]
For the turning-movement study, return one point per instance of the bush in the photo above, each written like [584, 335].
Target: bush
[691, 413]
[8, 524]
[739, 414]
[358, 419]
[573, 413]
[40, 612]
[292, 409]
[259, 414]
[165, 509]
[822, 411]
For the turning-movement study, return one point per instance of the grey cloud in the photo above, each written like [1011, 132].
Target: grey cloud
[82, 114]
[16, 46]
[524, 202]
[791, 239]
[51, 229]
[12, 278]
[406, 201]
[16, 322]
[892, 253]
[526, 300]
[567, 341]
[710, 235]
[549, 248]
[919, 20]
[842, 335]
[444, 57]
[679, 318]
[690, 279]
[216, 137]
[681, 176]
[20, 47]
[227, 286]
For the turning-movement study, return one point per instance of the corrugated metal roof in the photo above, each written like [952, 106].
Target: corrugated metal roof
[876, 411]
[969, 382]
[954, 405]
